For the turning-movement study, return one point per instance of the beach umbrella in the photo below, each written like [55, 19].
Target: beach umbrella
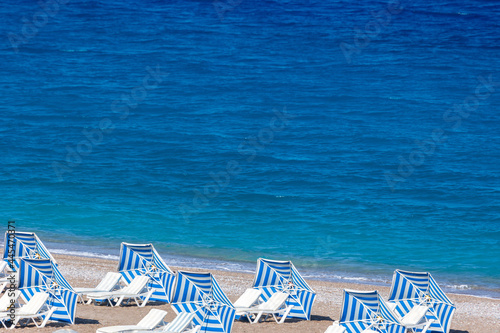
[366, 310]
[24, 245]
[142, 259]
[36, 275]
[273, 276]
[200, 293]
[419, 288]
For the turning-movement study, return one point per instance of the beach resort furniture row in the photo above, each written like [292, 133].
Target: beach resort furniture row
[415, 303]
[283, 292]
[278, 289]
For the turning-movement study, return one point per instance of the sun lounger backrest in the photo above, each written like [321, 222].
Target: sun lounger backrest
[415, 316]
[3, 265]
[34, 305]
[249, 297]
[275, 302]
[109, 281]
[5, 301]
[152, 319]
[137, 285]
[180, 322]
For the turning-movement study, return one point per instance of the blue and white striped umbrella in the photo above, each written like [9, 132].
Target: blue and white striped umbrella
[24, 245]
[363, 310]
[419, 288]
[36, 275]
[142, 259]
[200, 293]
[273, 276]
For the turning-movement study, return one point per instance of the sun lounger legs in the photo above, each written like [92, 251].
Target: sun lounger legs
[136, 299]
[43, 316]
[278, 316]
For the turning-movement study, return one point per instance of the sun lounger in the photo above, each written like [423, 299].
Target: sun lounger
[183, 323]
[10, 297]
[5, 275]
[137, 289]
[335, 328]
[415, 318]
[151, 321]
[248, 299]
[275, 306]
[36, 308]
[107, 284]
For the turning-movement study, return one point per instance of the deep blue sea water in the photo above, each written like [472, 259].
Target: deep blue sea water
[351, 138]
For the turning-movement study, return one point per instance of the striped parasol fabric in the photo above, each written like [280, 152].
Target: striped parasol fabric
[199, 293]
[272, 276]
[36, 275]
[142, 259]
[419, 288]
[24, 245]
[366, 311]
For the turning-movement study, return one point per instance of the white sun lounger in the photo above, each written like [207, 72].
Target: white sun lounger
[107, 284]
[335, 328]
[183, 323]
[151, 321]
[415, 318]
[7, 298]
[137, 289]
[248, 299]
[36, 308]
[5, 274]
[275, 306]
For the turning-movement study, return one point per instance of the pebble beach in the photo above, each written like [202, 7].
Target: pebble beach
[473, 314]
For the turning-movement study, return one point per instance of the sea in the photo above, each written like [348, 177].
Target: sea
[353, 138]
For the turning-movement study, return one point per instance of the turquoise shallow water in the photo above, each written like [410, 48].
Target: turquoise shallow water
[351, 138]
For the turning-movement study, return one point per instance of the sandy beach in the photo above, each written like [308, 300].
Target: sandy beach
[473, 314]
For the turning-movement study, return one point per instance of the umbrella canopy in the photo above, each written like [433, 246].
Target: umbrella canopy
[24, 245]
[419, 288]
[142, 259]
[36, 275]
[272, 276]
[367, 310]
[200, 293]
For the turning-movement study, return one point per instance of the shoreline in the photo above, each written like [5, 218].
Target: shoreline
[245, 267]
[354, 280]
[473, 314]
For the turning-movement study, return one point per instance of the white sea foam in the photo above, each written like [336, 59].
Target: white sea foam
[85, 254]
[458, 287]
